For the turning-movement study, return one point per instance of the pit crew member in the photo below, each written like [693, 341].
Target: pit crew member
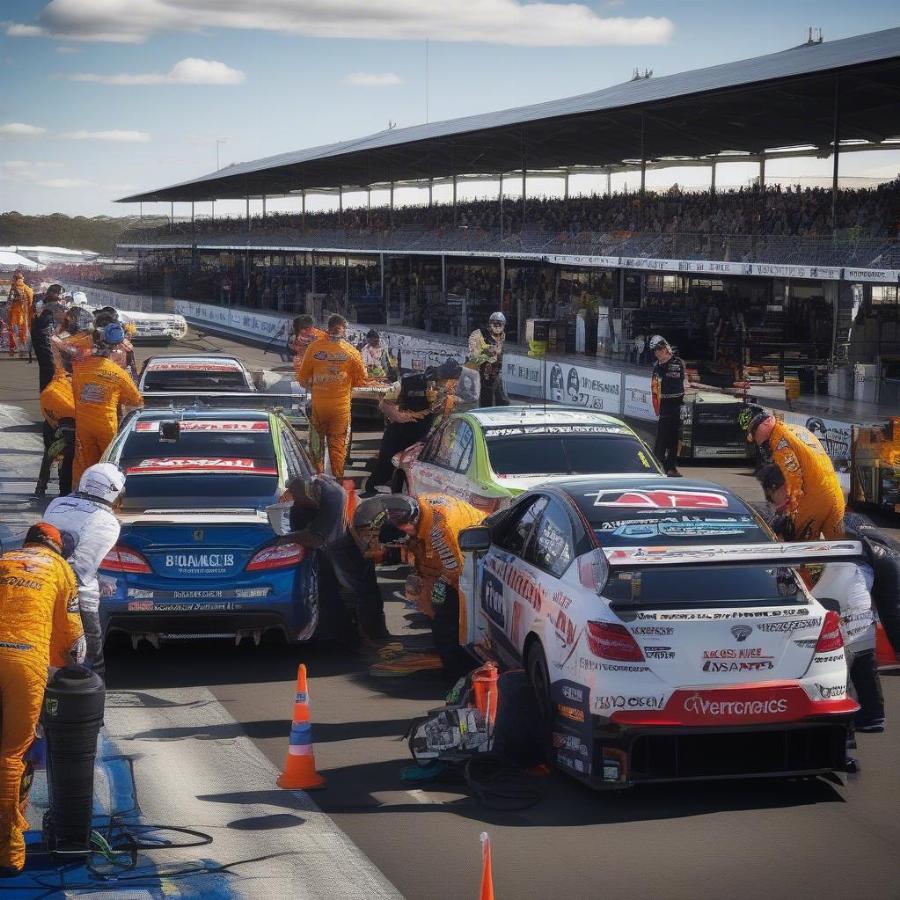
[88, 514]
[376, 359]
[318, 520]
[303, 334]
[667, 385]
[39, 626]
[330, 369]
[486, 355]
[100, 387]
[429, 527]
[58, 410]
[43, 329]
[815, 501]
[18, 313]
[409, 408]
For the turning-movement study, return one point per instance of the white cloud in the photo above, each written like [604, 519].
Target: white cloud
[64, 183]
[20, 129]
[33, 172]
[373, 79]
[187, 71]
[514, 22]
[121, 137]
[68, 49]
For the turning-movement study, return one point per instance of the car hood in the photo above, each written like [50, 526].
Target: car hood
[521, 483]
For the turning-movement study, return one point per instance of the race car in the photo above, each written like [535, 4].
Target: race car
[195, 372]
[666, 635]
[149, 328]
[487, 456]
[196, 556]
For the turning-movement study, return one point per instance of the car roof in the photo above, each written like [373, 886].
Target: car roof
[188, 358]
[505, 416]
[578, 483]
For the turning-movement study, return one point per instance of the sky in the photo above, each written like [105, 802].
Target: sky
[104, 98]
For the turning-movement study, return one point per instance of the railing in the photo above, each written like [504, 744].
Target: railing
[860, 252]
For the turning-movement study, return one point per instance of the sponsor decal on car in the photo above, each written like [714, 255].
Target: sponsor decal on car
[200, 563]
[594, 665]
[789, 626]
[192, 366]
[564, 628]
[571, 742]
[561, 600]
[652, 630]
[725, 708]
[739, 653]
[570, 712]
[573, 692]
[659, 499]
[516, 430]
[723, 616]
[171, 464]
[831, 691]
[659, 653]
[762, 665]
[619, 701]
[236, 427]
[519, 581]
[492, 599]
[741, 632]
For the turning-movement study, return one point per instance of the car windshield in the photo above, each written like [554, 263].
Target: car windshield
[193, 380]
[235, 439]
[554, 454]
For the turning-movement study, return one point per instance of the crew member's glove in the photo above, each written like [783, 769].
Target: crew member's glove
[783, 526]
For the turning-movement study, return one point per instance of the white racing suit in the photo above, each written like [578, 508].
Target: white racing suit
[97, 529]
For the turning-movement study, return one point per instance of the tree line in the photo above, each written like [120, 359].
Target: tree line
[98, 233]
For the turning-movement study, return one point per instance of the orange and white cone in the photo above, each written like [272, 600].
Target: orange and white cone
[300, 764]
[487, 875]
[884, 652]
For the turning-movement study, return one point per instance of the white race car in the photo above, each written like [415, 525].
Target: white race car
[666, 635]
[155, 328]
[195, 372]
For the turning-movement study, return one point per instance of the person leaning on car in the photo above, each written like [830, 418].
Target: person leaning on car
[318, 521]
[409, 408]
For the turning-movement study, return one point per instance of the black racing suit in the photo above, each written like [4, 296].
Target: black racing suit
[670, 377]
[413, 397]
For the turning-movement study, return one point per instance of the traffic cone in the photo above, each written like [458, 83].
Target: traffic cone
[300, 763]
[487, 876]
[884, 652]
[350, 487]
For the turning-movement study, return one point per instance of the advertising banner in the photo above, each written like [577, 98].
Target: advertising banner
[581, 386]
[638, 398]
[523, 376]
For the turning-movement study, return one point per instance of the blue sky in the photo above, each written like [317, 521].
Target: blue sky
[180, 80]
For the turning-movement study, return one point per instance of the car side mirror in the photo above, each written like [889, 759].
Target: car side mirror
[474, 539]
[830, 604]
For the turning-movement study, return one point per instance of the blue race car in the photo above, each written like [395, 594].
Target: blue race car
[196, 556]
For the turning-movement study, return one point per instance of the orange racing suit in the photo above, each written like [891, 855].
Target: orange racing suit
[75, 347]
[57, 401]
[39, 626]
[330, 369]
[18, 314]
[100, 387]
[815, 497]
[298, 344]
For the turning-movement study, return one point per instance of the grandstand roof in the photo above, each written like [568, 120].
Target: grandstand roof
[779, 100]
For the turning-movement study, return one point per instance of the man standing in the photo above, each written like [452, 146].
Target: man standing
[486, 355]
[43, 329]
[814, 500]
[318, 521]
[39, 626]
[376, 359]
[409, 407]
[58, 410]
[429, 526]
[100, 388]
[89, 515]
[18, 313]
[667, 383]
[303, 333]
[330, 369]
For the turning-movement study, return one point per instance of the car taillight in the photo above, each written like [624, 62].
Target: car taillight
[124, 559]
[611, 641]
[830, 637]
[277, 556]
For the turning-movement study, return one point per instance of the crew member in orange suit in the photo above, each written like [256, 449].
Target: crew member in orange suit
[330, 369]
[18, 313]
[100, 388]
[815, 500]
[39, 626]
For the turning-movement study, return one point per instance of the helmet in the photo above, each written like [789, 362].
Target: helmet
[448, 370]
[750, 417]
[79, 297]
[105, 316]
[103, 481]
[657, 340]
[377, 511]
[46, 535]
[81, 318]
[497, 318]
[113, 333]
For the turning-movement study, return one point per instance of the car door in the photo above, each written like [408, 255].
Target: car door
[441, 466]
[507, 594]
[549, 553]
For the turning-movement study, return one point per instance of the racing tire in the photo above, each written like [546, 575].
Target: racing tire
[539, 679]
[398, 482]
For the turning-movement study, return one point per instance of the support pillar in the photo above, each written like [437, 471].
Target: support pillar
[369, 216]
[712, 183]
[340, 206]
[643, 161]
[566, 185]
[141, 210]
[172, 215]
[501, 204]
[392, 203]
[381, 281]
[502, 281]
[454, 199]
[303, 208]
[248, 213]
[192, 215]
[444, 277]
[609, 182]
[212, 211]
[430, 193]
[762, 171]
[346, 281]
[837, 153]
[313, 279]
[264, 207]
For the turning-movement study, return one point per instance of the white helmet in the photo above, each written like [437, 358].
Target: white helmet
[657, 341]
[497, 318]
[103, 482]
[79, 297]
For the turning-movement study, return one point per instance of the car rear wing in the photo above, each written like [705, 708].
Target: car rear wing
[794, 553]
[291, 405]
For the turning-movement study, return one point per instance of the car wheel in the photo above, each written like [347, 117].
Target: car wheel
[398, 482]
[539, 679]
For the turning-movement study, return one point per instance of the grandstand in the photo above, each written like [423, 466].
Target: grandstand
[764, 258]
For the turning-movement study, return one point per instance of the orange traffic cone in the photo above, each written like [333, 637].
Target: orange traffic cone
[487, 876]
[884, 652]
[300, 764]
[350, 487]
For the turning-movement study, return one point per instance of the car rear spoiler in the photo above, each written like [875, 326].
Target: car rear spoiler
[795, 553]
[291, 405]
[224, 516]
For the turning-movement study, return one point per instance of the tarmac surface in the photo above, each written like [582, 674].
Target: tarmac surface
[768, 838]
